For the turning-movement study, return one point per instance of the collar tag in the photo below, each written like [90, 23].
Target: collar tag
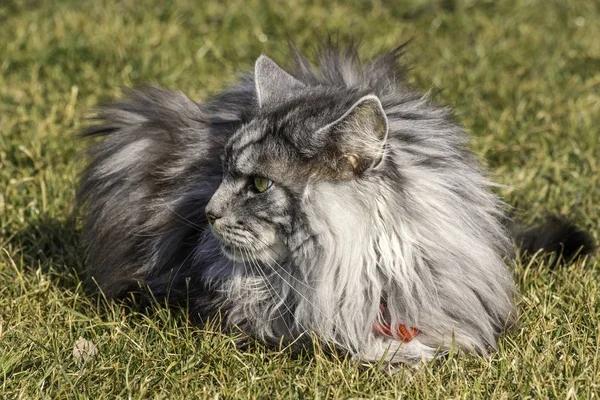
[403, 333]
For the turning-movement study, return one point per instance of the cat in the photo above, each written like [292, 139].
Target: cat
[331, 202]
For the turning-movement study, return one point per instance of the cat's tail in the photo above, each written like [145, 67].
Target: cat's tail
[555, 235]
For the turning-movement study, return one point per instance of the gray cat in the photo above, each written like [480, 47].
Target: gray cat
[330, 201]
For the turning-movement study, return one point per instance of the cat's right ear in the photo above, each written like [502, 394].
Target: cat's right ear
[273, 84]
[356, 140]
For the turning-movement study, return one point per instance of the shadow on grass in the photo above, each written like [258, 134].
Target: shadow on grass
[52, 245]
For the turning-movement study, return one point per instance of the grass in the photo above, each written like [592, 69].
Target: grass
[523, 76]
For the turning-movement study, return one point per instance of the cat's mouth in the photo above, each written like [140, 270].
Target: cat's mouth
[240, 251]
[268, 254]
[236, 253]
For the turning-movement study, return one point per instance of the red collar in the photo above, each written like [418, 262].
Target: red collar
[403, 333]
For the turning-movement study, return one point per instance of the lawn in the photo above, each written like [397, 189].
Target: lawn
[523, 76]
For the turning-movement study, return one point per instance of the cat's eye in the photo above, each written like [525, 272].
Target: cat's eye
[261, 184]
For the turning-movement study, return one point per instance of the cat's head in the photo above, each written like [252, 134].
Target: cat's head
[301, 136]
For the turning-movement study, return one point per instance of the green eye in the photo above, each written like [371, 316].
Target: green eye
[262, 184]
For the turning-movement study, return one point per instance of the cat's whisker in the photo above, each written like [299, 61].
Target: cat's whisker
[178, 270]
[292, 287]
[151, 235]
[305, 298]
[273, 291]
[202, 250]
[306, 285]
[211, 250]
[183, 219]
[244, 264]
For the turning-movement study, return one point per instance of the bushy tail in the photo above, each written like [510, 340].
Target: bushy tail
[555, 235]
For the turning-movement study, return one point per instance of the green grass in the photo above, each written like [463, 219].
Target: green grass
[523, 75]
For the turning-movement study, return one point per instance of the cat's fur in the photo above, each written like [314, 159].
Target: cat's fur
[376, 199]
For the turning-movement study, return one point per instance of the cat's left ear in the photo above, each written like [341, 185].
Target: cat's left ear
[273, 84]
[356, 139]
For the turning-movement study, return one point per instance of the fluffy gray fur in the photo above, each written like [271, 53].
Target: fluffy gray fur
[375, 198]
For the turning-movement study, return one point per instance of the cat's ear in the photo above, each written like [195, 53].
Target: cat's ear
[273, 84]
[356, 139]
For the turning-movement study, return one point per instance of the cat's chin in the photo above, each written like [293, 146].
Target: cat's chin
[270, 254]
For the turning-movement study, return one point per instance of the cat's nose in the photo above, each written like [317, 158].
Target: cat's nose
[211, 216]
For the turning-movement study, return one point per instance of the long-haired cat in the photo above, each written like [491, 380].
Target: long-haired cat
[331, 201]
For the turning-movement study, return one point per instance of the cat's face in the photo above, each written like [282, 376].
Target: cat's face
[253, 210]
[270, 163]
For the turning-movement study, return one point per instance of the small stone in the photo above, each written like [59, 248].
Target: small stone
[84, 349]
